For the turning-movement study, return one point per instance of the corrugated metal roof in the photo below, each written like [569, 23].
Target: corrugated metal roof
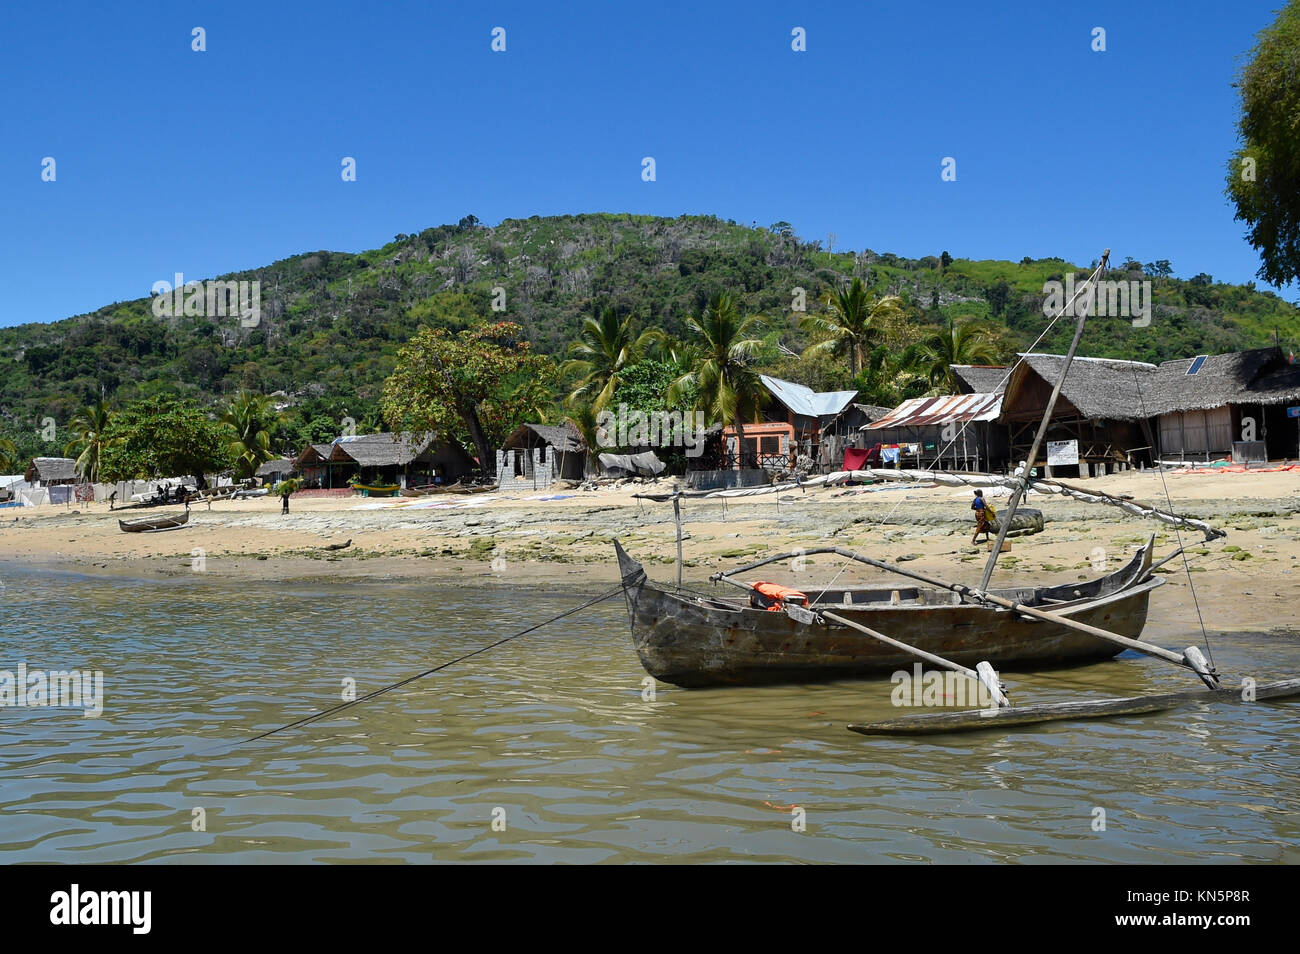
[947, 409]
[804, 400]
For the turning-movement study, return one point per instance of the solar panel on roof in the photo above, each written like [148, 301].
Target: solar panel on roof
[1196, 363]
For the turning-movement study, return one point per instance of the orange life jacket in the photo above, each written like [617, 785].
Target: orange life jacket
[780, 595]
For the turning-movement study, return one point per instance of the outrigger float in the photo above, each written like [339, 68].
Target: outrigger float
[782, 635]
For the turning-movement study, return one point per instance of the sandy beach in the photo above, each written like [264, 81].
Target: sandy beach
[1246, 581]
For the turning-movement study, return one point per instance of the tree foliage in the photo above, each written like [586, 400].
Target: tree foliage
[475, 387]
[728, 388]
[145, 441]
[853, 323]
[250, 419]
[90, 435]
[1263, 173]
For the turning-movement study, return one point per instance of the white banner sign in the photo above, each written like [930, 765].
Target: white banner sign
[1060, 453]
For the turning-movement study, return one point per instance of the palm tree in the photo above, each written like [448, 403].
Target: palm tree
[890, 377]
[89, 438]
[970, 342]
[8, 455]
[583, 417]
[250, 417]
[730, 390]
[605, 346]
[853, 322]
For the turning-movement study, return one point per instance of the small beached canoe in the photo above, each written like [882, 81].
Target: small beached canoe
[377, 490]
[154, 524]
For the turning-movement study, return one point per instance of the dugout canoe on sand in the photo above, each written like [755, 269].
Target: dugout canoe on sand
[155, 524]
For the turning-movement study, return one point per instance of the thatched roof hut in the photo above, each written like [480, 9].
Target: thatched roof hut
[1225, 404]
[379, 450]
[52, 471]
[277, 469]
[1099, 416]
[1095, 388]
[565, 438]
[536, 455]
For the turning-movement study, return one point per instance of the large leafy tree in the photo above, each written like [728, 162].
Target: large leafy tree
[480, 384]
[728, 388]
[1263, 173]
[90, 429]
[966, 342]
[606, 345]
[146, 440]
[854, 322]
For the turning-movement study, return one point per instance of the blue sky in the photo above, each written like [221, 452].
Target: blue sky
[170, 160]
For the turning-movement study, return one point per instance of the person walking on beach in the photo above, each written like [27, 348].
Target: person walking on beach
[983, 513]
[284, 500]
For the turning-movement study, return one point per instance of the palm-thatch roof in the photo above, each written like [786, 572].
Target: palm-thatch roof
[48, 469]
[314, 454]
[980, 378]
[563, 437]
[1258, 376]
[854, 416]
[1105, 388]
[281, 465]
[1097, 388]
[380, 450]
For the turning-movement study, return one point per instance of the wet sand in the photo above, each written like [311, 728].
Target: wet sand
[1246, 581]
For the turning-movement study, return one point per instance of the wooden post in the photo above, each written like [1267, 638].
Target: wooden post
[1043, 426]
[677, 519]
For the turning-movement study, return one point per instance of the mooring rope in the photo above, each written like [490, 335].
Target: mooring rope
[1187, 566]
[428, 672]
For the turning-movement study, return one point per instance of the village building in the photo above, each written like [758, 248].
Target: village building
[948, 432]
[1215, 406]
[793, 420]
[1100, 424]
[52, 472]
[387, 459]
[1114, 414]
[274, 471]
[535, 456]
[313, 463]
[842, 434]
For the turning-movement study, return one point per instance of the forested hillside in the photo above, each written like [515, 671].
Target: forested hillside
[331, 322]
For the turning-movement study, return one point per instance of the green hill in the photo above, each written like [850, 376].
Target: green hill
[331, 322]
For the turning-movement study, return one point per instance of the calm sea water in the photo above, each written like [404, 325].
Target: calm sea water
[550, 736]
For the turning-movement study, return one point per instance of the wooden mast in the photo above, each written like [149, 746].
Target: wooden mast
[1022, 483]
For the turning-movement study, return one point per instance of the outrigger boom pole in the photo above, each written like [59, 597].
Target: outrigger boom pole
[1191, 658]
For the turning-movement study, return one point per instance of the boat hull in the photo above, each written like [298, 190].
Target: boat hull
[154, 524]
[692, 641]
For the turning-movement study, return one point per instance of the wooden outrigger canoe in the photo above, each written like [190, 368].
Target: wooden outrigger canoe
[154, 524]
[456, 488]
[691, 640]
[782, 635]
